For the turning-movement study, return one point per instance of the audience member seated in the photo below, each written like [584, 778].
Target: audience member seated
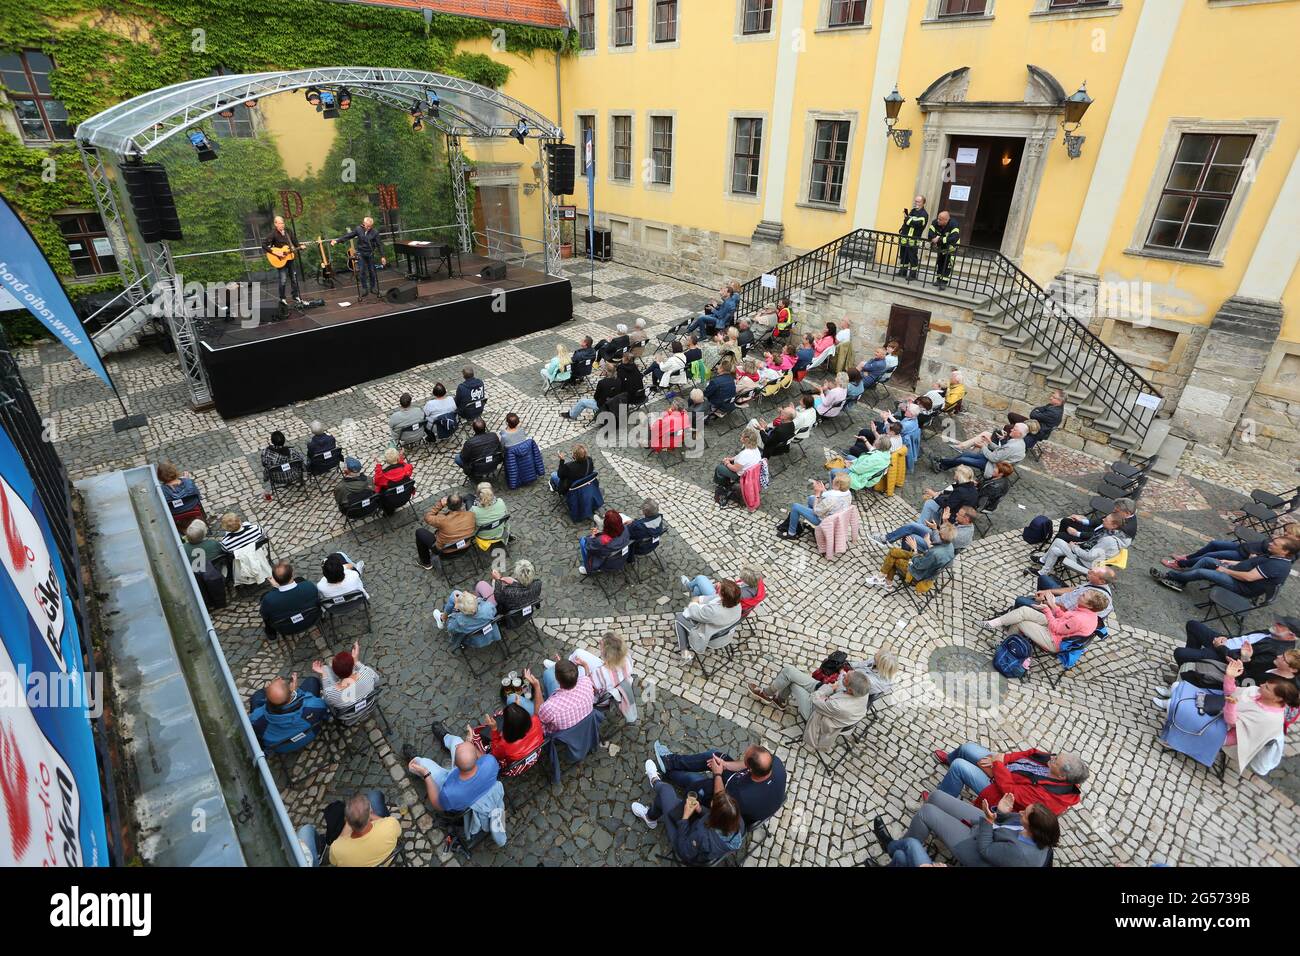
[776, 439]
[1078, 529]
[513, 433]
[568, 471]
[249, 564]
[995, 488]
[827, 709]
[1098, 580]
[585, 353]
[606, 388]
[727, 473]
[181, 493]
[466, 613]
[1096, 549]
[630, 380]
[805, 415]
[747, 381]
[720, 390]
[279, 453]
[729, 345]
[718, 313]
[509, 735]
[1048, 416]
[756, 782]
[370, 834]
[698, 837]
[784, 317]
[856, 386]
[471, 394]
[803, 355]
[438, 408]
[992, 836]
[1048, 624]
[780, 363]
[522, 589]
[613, 350]
[650, 525]
[445, 524]
[1028, 776]
[320, 440]
[406, 419]
[671, 373]
[866, 470]
[557, 369]
[286, 708]
[487, 508]
[1259, 650]
[570, 697]
[340, 575]
[920, 537]
[822, 503]
[469, 779]
[918, 567]
[608, 669]
[873, 370]
[289, 596]
[832, 392]
[1230, 550]
[202, 550]
[984, 452]
[706, 616]
[940, 506]
[477, 447]
[353, 486]
[824, 341]
[669, 429]
[745, 336]
[1253, 578]
[394, 469]
[605, 540]
[346, 681]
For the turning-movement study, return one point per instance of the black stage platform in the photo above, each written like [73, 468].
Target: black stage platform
[336, 346]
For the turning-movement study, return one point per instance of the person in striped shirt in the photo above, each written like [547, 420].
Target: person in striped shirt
[238, 534]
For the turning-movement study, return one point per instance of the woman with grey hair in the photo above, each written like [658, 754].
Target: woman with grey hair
[520, 590]
[320, 441]
[201, 549]
[1032, 776]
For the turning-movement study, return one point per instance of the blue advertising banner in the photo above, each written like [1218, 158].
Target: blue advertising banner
[589, 167]
[27, 277]
[51, 806]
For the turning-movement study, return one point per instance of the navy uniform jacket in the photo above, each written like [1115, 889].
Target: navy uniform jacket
[367, 240]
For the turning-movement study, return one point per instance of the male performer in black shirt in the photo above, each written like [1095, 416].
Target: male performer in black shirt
[367, 237]
[280, 238]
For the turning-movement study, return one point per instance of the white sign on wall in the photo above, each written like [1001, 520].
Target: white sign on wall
[968, 154]
[959, 194]
[769, 280]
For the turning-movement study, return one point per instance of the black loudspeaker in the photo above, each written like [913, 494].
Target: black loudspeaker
[493, 270]
[601, 245]
[560, 161]
[151, 201]
[403, 292]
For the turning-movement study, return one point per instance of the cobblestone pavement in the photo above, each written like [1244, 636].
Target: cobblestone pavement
[1141, 804]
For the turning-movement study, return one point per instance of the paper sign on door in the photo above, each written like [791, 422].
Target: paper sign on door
[959, 193]
[968, 154]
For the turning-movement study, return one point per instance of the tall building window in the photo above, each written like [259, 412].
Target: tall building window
[624, 22]
[830, 152]
[88, 245]
[847, 13]
[962, 8]
[1197, 192]
[26, 79]
[746, 152]
[758, 17]
[665, 21]
[622, 149]
[587, 24]
[661, 149]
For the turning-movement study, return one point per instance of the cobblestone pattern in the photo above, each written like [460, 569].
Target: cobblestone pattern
[1141, 805]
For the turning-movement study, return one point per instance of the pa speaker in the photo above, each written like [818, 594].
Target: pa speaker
[151, 198]
[493, 270]
[403, 292]
[560, 160]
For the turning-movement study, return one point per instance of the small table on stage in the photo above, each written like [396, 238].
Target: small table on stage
[420, 254]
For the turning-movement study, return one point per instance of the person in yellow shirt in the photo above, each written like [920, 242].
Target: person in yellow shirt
[369, 837]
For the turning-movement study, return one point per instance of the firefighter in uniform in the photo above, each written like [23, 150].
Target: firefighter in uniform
[912, 232]
[944, 237]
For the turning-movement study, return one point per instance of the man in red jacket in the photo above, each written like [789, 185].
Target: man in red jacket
[1030, 776]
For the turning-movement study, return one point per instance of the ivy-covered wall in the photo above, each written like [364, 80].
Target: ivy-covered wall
[107, 51]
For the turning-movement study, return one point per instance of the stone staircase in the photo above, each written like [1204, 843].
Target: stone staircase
[1014, 341]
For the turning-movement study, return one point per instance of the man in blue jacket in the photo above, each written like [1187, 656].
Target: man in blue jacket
[287, 598]
[720, 312]
[471, 394]
[287, 716]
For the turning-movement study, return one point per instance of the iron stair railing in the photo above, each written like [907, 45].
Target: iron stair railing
[1054, 342]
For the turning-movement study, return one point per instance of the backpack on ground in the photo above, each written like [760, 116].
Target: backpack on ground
[1038, 530]
[1013, 655]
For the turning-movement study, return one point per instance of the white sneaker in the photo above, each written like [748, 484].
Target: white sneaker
[582, 569]
[652, 771]
[359, 566]
[1160, 704]
[1164, 692]
[686, 582]
[437, 618]
[642, 813]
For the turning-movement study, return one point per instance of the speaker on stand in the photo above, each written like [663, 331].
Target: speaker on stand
[561, 159]
[152, 203]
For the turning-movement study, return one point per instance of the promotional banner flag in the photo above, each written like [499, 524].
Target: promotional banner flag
[52, 809]
[25, 274]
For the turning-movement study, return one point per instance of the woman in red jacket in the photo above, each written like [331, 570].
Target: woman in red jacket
[517, 734]
[1030, 776]
[393, 470]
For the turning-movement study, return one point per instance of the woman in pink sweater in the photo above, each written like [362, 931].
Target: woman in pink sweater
[1047, 625]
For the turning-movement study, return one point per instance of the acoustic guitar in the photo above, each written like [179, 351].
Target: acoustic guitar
[281, 256]
[326, 273]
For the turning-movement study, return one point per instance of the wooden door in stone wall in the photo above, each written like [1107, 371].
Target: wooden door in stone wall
[910, 327]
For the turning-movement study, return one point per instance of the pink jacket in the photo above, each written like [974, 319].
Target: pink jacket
[783, 365]
[750, 485]
[1076, 623]
[837, 531]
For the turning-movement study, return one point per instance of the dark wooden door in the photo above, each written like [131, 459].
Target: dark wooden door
[969, 158]
[909, 327]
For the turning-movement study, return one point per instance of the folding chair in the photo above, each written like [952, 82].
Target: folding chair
[463, 647]
[454, 825]
[585, 733]
[614, 564]
[832, 414]
[352, 714]
[343, 605]
[324, 463]
[485, 468]
[985, 507]
[846, 740]
[288, 474]
[723, 640]
[394, 497]
[1277, 502]
[453, 551]
[358, 511]
[646, 548]
[524, 618]
[413, 438]
[922, 602]
[801, 436]
[472, 410]
[297, 744]
[579, 373]
[299, 623]
[491, 545]
[1223, 605]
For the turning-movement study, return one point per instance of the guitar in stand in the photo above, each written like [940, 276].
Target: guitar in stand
[324, 271]
[354, 266]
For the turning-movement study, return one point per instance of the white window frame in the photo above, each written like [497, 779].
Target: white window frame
[1043, 9]
[727, 185]
[666, 44]
[651, 116]
[741, 36]
[933, 19]
[811, 119]
[1264, 131]
[613, 27]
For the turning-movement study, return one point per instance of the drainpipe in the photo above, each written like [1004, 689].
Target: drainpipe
[559, 101]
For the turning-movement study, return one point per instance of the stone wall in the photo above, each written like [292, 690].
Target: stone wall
[695, 255]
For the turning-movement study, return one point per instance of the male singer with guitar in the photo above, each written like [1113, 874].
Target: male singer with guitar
[280, 252]
[367, 237]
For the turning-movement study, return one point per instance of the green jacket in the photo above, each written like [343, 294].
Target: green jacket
[866, 470]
